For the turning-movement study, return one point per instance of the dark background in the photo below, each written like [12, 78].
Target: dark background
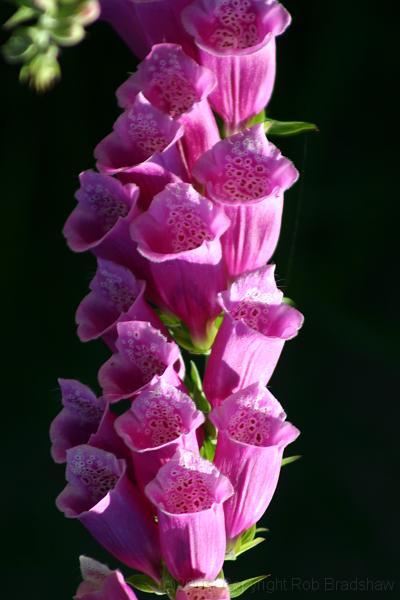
[335, 513]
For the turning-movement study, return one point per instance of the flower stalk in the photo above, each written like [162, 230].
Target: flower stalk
[174, 462]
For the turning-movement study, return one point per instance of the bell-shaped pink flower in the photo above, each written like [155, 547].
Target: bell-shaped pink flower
[79, 418]
[250, 340]
[180, 236]
[204, 590]
[100, 222]
[247, 175]
[100, 495]
[142, 136]
[178, 86]
[84, 419]
[236, 40]
[143, 354]
[161, 420]
[252, 435]
[143, 23]
[100, 583]
[189, 493]
[116, 295]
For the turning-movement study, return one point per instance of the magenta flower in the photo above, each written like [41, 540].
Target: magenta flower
[178, 86]
[204, 590]
[100, 222]
[252, 335]
[180, 235]
[247, 175]
[143, 355]
[236, 40]
[189, 493]
[143, 23]
[142, 136]
[77, 421]
[116, 295]
[100, 583]
[100, 495]
[252, 435]
[161, 420]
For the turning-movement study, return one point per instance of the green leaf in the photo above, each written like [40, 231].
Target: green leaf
[195, 375]
[260, 118]
[194, 384]
[262, 530]
[239, 588]
[207, 450]
[168, 583]
[248, 535]
[145, 584]
[290, 459]
[245, 542]
[288, 301]
[245, 547]
[169, 320]
[273, 127]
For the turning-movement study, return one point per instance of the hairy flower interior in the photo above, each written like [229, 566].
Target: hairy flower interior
[94, 474]
[105, 206]
[235, 26]
[116, 290]
[187, 491]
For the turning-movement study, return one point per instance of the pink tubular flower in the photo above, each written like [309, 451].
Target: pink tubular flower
[79, 418]
[247, 175]
[143, 23]
[83, 419]
[161, 420]
[189, 493]
[204, 590]
[180, 236]
[143, 355]
[100, 495]
[142, 136]
[236, 40]
[252, 335]
[116, 295]
[178, 86]
[100, 222]
[252, 435]
[100, 583]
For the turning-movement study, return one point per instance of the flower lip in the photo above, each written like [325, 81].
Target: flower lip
[113, 291]
[244, 169]
[103, 203]
[139, 135]
[253, 417]
[255, 302]
[159, 416]
[92, 475]
[188, 484]
[235, 27]
[143, 354]
[169, 79]
[192, 222]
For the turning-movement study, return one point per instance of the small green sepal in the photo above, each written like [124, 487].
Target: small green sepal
[287, 128]
[146, 584]
[290, 459]
[239, 588]
[245, 542]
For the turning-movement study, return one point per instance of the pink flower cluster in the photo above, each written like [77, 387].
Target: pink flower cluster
[182, 220]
